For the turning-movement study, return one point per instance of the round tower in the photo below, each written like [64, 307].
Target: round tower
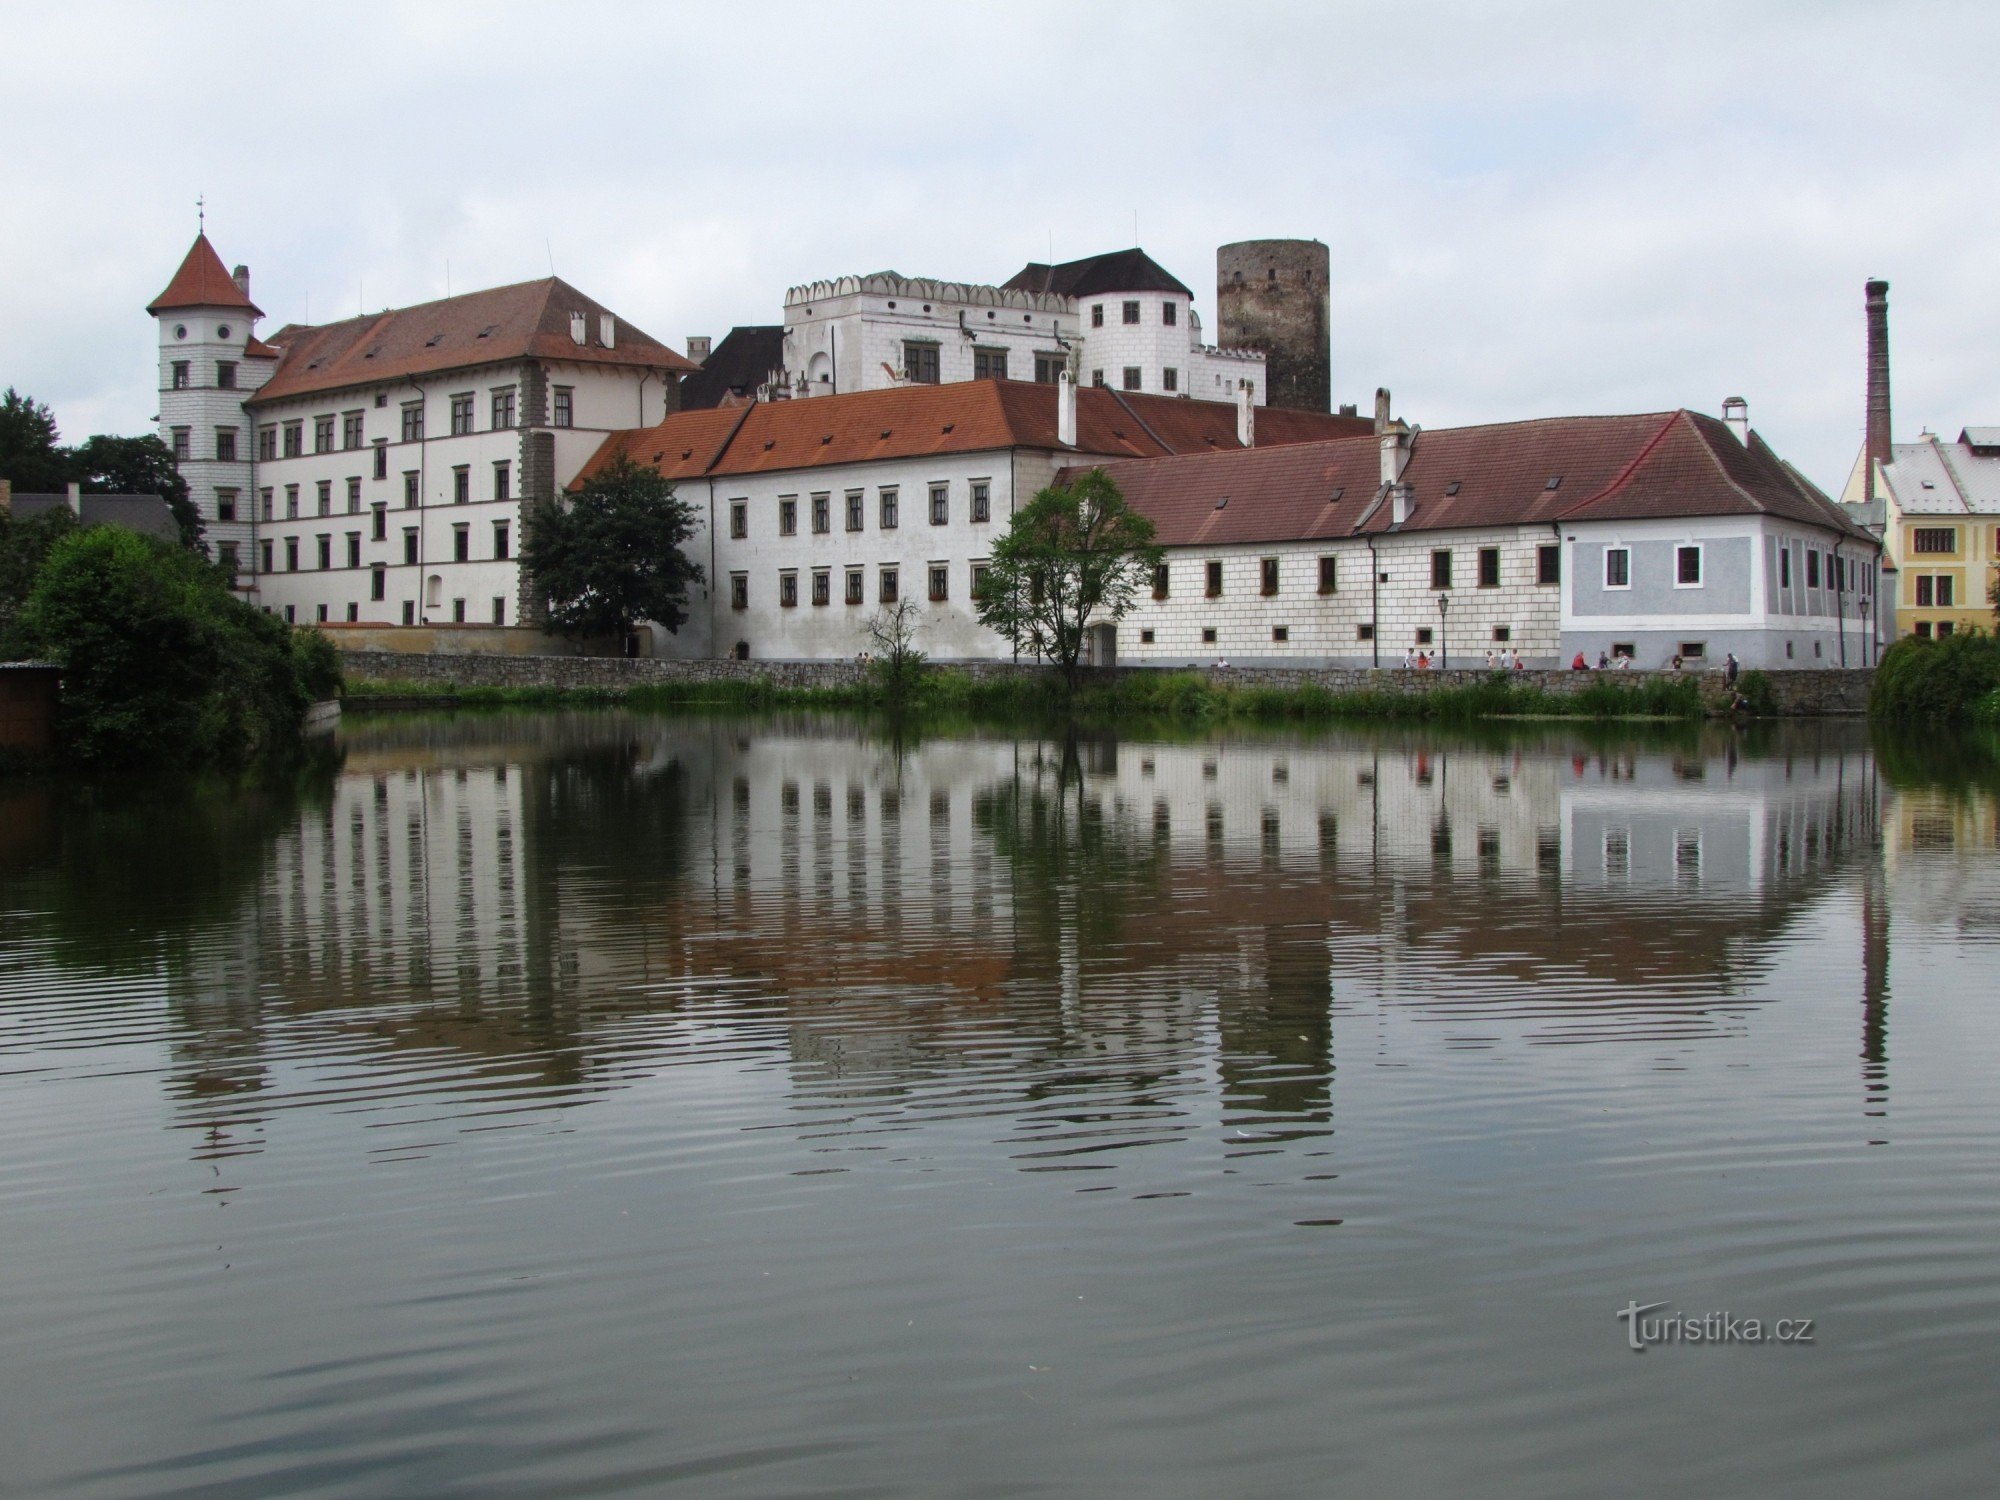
[1272, 295]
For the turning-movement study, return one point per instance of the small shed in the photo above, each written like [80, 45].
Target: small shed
[28, 691]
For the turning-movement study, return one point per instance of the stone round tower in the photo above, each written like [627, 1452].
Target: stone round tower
[1272, 295]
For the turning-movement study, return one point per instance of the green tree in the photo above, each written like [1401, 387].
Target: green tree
[106, 465]
[29, 456]
[898, 664]
[24, 546]
[612, 555]
[1074, 556]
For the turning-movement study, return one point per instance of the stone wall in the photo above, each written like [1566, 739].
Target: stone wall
[1805, 693]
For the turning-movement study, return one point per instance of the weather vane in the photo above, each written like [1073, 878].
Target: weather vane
[201, 215]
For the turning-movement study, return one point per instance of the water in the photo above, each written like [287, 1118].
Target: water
[592, 1105]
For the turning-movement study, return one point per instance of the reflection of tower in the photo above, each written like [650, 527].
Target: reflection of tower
[1272, 295]
[1874, 993]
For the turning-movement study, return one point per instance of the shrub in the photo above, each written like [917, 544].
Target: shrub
[1943, 681]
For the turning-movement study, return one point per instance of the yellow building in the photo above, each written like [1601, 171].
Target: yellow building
[1942, 530]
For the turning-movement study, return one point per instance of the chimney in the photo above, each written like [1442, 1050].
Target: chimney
[1246, 415]
[699, 345]
[1878, 378]
[607, 330]
[1736, 416]
[1395, 440]
[1381, 409]
[1402, 500]
[241, 276]
[578, 328]
[76, 499]
[1066, 409]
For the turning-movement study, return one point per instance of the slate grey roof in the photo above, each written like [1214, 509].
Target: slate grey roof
[142, 513]
[1931, 477]
[1116, 271]
[739, 364]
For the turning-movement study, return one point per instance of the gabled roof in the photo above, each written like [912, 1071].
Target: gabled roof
[1655, 465]
[916, 421]
[739, 364]
[530, 319]
[1933, 477]
[202, 281]
[147, 514]
[1115, 271]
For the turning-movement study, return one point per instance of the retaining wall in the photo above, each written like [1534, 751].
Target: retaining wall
[1804, 693]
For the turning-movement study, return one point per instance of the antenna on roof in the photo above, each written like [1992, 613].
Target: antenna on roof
[201, 215]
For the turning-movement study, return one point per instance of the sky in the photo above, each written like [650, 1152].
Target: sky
[1532, 209]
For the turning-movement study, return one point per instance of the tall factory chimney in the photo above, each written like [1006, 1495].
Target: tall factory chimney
[1878, 379]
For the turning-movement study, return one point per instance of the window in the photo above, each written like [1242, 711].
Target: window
[1268, 570]
[461, 543]
[854, 585]
[1364, 632]
[320, 614]
[291, 554]
[354, 549]
[1423, 635]
[1934, 591]
[354, 497]
[920, 361]
[225, 445]
[1208, 635]
[1170, 314]
[854, 500]
[565, 406]
[1049, 367]
[1097, 315]
[225, 557]
[268, 554]
[295, 439]
[291, 614]
[1214, 580]
[1131, 311]
[1693, 650]
[1944, 628]
[381, 458]
[267, 444]
[1146, 637]
[1132, 377]
[1812, 569]
[1441, 569]
[350, 430]
[822, 521]
[182, 450]
[264, 503]
[1934, 539]
[739, 590]
[739, 519]
[458, 611]
[982, 500]
[989, 364]
[1784, 566]
[1329, 575]
[788, 590]
[409, 546]
[1618, 567]
[788, 515]
[1625, 649]
[822, 586]
[461, 484]
[325, 492]
[940, 504]
[225, 374]
[1502, 633]
[888, 582]
[1281, 634]
[979, 572]
[940, 582]
[180, 375]
[409, 489]
[413, 422]
[409, 611]
[1097, 379]
[502, 539]
[323, 434]
[1170, 379]
[461, 414]
[225, 505]
[1489, 567]
[1923, 630]
[1687, 567]
[324, 550]
[291, 502]
[499, 609]
[379, 531]
[1159, 580]
[503, 481]
[888, 519]
[503, 408]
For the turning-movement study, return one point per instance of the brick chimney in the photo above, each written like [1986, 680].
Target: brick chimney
[1878, 379]
[241, 276]
[1381, 410]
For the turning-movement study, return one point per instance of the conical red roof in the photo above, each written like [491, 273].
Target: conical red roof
[202, 281]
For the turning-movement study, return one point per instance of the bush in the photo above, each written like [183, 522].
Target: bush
[1935, 682]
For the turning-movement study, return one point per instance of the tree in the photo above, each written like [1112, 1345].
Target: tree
[612, 556]
[24, 546]
[106, 465]
[892, 631]
[28, 453]
[1074, 556]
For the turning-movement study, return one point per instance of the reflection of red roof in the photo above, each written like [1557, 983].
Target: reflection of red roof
[202, 281]
[916, 421]
[529, 320]
[1660, 464]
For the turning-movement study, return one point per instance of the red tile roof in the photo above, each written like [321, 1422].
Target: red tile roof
[916, 421]
[527, 320]
[202, 281]
[1661, 464]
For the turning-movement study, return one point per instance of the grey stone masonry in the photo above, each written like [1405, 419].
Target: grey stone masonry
[1806, 694]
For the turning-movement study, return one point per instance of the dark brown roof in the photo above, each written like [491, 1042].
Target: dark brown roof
[202, 281]
[919, 420]
[738, 365]
[1115, 271]
[528, 320]
[1660, 464]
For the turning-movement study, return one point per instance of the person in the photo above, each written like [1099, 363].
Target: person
[1579, 664]
[1409, 658]
[1730, 667]
[1489, 658]
[1519, 665]
[1622, 661]
[1676, 663]
[1603, 661]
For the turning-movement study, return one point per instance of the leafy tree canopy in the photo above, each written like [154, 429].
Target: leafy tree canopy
[33, 458]
[612, 555]
[28, 452]
[1073, 557]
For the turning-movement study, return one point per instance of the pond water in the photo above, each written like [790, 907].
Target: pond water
[593, 1104]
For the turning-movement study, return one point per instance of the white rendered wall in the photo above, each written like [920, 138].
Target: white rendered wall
[203, 337]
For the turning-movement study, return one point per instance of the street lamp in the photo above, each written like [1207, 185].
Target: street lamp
[1444, 641]
[1867, 636]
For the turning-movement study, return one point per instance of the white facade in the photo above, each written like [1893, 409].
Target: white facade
[206, 372]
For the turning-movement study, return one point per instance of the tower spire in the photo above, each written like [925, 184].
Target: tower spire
[201, 214]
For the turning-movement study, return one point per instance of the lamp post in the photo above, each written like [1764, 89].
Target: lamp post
[1444, 640]
[1867, 636]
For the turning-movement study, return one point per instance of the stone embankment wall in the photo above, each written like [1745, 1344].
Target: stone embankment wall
[1803, 693]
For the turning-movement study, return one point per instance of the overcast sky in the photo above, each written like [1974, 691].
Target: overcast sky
[1532, 209]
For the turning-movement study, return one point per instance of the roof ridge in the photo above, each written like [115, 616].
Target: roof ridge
[1167, 449]
[1624, 475]
[729, 438]
[1951, 471]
